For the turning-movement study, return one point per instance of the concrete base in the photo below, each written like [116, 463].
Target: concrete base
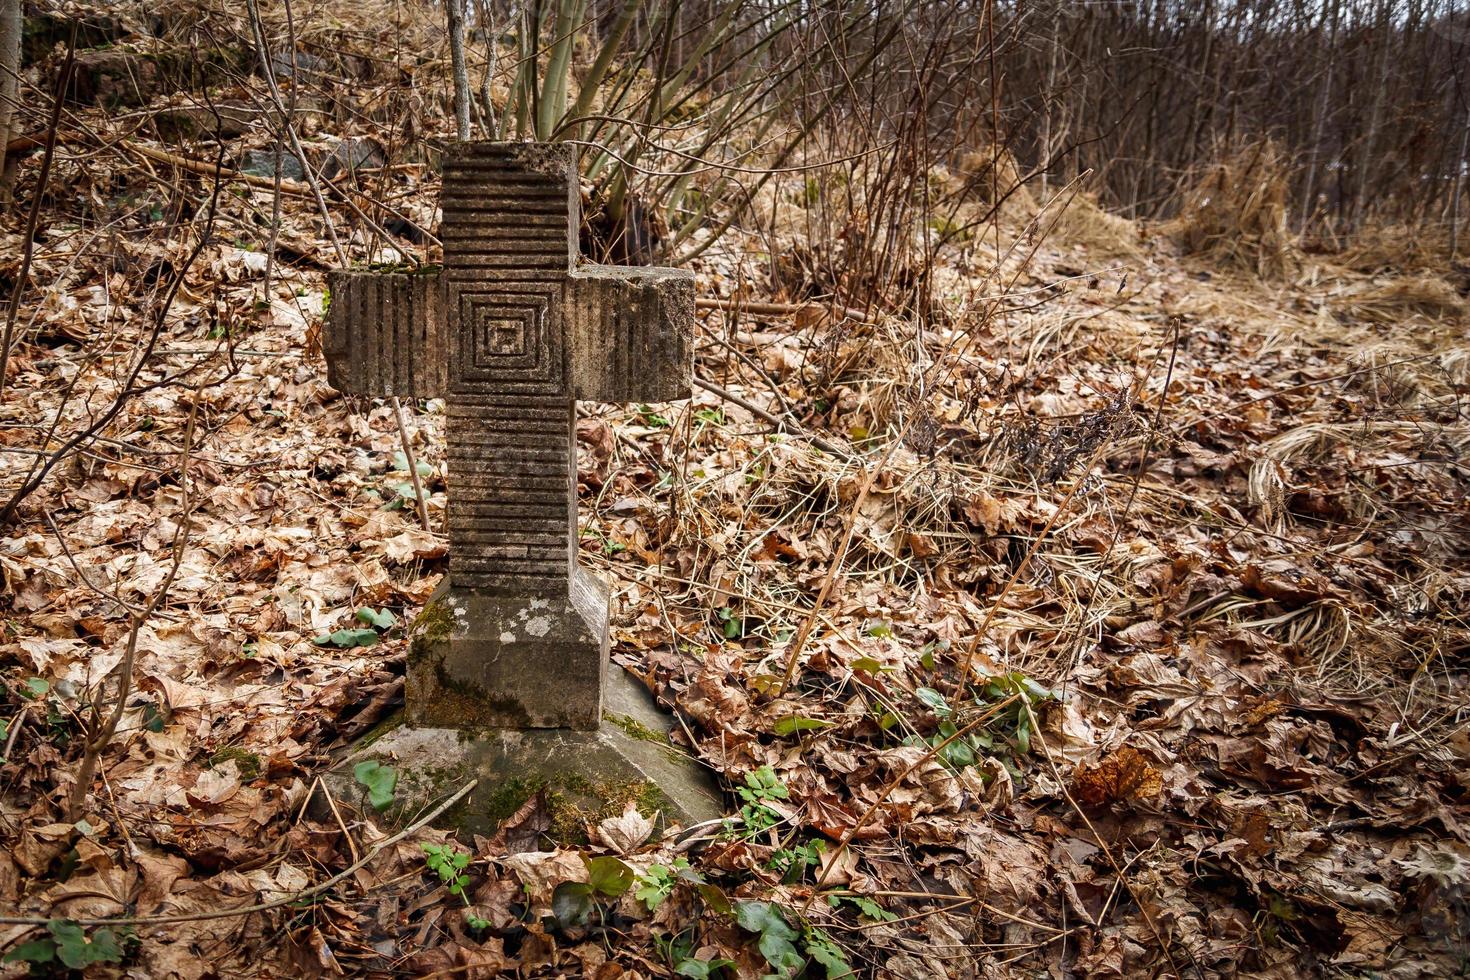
[482, 661]
[587, 775]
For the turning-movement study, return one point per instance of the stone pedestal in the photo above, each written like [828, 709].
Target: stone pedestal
[510, 661]
[586, 775]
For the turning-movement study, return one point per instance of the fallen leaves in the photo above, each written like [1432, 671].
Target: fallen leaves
[1125, 775]
[1255, 653]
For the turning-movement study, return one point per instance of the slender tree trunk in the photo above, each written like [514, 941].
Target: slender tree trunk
[1460, 165]
[10, 27]
[1319, 126]
[461, 70]
[1048, 102]
[1383, 31]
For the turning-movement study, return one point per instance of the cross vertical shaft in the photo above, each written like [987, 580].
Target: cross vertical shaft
[508, 248]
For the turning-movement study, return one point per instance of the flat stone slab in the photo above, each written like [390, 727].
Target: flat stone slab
[587, 775]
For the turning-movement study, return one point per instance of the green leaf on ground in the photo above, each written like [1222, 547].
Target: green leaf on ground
[379, 780]
[346, 639]
[382, 619]
[796, 723]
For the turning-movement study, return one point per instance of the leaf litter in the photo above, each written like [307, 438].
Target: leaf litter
[1214, 717]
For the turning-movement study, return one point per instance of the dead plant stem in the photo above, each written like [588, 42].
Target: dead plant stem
[964, 672]
[776, 420]
[828, 580]
[1061, 781]
[413, 466]
[893, 784]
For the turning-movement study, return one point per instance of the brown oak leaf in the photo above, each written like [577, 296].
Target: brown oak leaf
[1123, 775]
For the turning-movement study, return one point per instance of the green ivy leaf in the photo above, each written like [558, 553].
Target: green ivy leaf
[764, 918]
[380, 781]
[796, 723]
[346, 639]
[152, 717]
[571, 903]
[381, 619]
[400, 464]
[700, 969]
[714, 898]
[609, 875]
[36, 951]
[78, 952]
[36, 687]
[829, 954]
[781, 953]
[933, 699]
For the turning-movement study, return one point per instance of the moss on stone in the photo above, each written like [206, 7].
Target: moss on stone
[382, 728]
[568, 821]
[635, 729]
[472, 706]
[434, 622]
[504, 800]
[247, 763]
[573, 804]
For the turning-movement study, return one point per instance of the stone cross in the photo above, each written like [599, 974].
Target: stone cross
[511, 332]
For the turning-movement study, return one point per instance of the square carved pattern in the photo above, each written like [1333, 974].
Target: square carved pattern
[504, 335]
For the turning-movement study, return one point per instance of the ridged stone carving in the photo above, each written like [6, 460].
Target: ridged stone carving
[510, 332]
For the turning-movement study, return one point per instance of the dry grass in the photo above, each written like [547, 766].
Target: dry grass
[1102, 233]
[985, 171]
[1397, 247]
[1424, 295]
[1236, 214]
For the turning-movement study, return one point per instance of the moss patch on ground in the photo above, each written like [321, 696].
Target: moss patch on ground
[572, 802]
[247, 763]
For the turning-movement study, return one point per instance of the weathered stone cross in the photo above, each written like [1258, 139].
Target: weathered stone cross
[511, 332]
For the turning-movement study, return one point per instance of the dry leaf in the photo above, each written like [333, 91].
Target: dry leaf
[626, 832]
[1123, 775]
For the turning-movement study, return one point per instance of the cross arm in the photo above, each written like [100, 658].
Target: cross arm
[628, 332]
[383, 333]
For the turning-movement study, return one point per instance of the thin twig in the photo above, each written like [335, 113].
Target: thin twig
[837, 559]
[15, 726]
[29, 248]
[775, 420]
[342, 824]
[413, 466]
[71, 559]
[99, 737]
[893, 784]
[778, 309]
[1036, 733]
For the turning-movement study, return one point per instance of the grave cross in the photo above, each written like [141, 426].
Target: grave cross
[511, 332]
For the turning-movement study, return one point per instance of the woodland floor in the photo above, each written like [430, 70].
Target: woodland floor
[1201, 540]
